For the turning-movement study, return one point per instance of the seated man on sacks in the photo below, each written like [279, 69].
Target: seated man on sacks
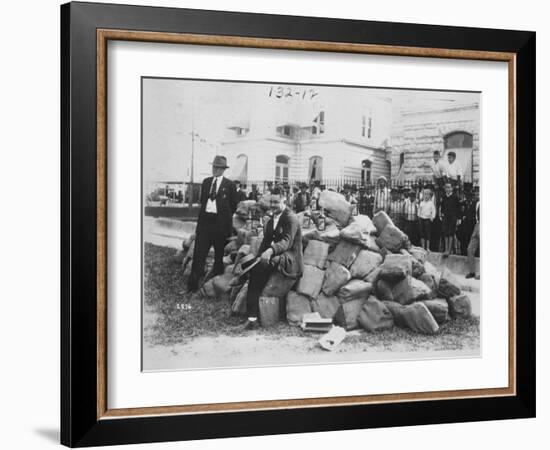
[281, 250]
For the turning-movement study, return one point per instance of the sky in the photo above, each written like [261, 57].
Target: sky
[172, 108]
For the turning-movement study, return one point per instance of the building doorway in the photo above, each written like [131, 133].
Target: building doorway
[315, 168]
[281, 168]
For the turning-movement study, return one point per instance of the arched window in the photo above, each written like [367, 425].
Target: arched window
[458, 139]
[281, 168]
[315, 168]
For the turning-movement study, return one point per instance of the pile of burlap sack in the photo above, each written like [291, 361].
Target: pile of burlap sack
[361, 273]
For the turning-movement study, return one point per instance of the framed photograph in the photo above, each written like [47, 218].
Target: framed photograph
[278, 224]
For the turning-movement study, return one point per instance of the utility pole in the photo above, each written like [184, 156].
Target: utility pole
[192, 174]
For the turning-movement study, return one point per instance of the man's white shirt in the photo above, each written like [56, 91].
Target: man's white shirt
[439, 168]
[454, 170]
[211, 204]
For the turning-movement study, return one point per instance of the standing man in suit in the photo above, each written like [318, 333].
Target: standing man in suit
[281, 250]
[214, 225]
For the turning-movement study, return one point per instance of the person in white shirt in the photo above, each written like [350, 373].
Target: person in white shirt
[454, 169]
[426, 215]
[439, 169]
[214, 224]
[381, 195]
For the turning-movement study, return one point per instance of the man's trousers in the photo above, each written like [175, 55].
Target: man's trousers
[208, 234]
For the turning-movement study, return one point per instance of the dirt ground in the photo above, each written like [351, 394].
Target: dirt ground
[189, 332]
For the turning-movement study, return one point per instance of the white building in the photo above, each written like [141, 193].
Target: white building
[327, 133]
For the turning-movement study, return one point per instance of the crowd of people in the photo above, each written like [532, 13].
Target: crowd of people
[440, 213]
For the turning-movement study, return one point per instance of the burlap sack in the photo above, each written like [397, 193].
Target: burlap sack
[373, 276]
[311, 282]
[347, 314]
[222, 286]
[375, 316]
[410, 290]
[365, 263]
[331, 236]
[355, 289]
[310, 234]
[381, 220]
[429, 281]
[396, 310]
[278, 285]
[419, 319]
[336, 207]
[345, 253]
[316, 254]
[326, 306]
[418, 253]
[359, 231]
[384, 290]
[439, 309]
[460, 306]
[231, 247]
[448, 284]
[336, 276]
[396, 267]
[207, 289]
[296, 306]
[269, 311]
[392, 239]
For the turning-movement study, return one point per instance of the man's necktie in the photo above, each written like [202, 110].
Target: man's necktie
[213, 190]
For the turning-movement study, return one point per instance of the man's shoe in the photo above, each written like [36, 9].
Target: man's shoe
[471, 275]
[251, 325]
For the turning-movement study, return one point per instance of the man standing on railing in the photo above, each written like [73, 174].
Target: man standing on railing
[455, 174]
[214, 225]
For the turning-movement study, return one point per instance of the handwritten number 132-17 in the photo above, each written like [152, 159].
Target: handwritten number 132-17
[287, 91]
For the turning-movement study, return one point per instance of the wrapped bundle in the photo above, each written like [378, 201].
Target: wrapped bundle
[392, 239]
[311, 281]
[375, 316]
[418, 318]
[336, 276]
[365, 263]
[410, 290]
[316, 254]
[296, 306]
[396, 267]
[355, 289]
[347, 314]
[336, 207]
[325, 305]
[439, 309]
[344, 253]
[460, 306]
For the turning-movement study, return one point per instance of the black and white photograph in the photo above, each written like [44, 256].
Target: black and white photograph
[290, 224]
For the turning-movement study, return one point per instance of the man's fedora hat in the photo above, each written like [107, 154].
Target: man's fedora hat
[220, 161]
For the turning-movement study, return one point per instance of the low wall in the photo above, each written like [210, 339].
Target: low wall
[455, 263]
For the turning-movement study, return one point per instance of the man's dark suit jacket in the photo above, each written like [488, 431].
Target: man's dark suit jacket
[226, 203]
[299, 204]
[286, 242]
